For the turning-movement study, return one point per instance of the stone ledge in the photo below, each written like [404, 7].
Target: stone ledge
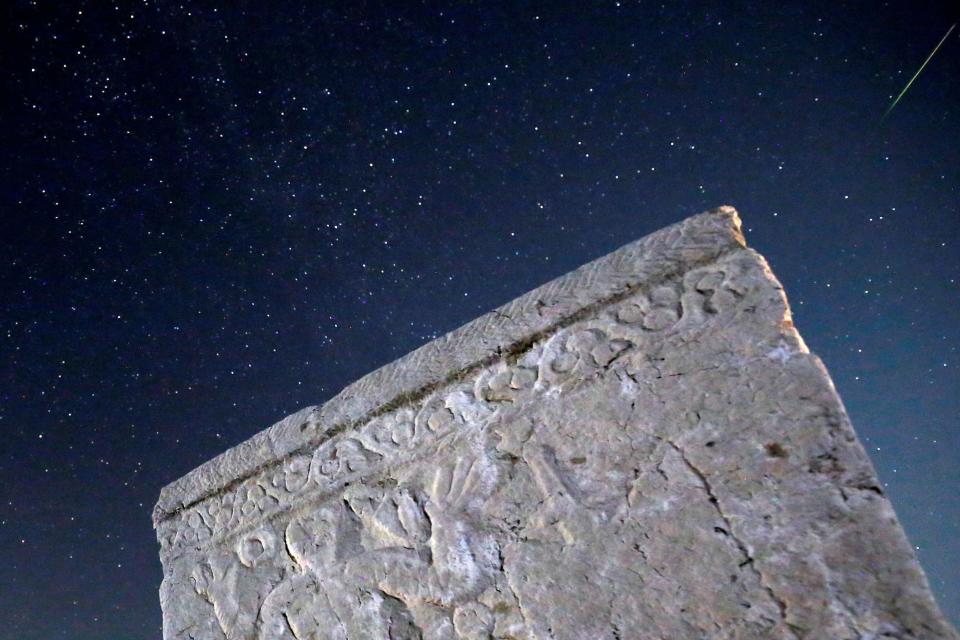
[670, 250]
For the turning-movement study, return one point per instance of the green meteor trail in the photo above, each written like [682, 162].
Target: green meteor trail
[935, 49]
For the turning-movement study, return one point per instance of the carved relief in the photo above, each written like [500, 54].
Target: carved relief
[234, 583]
[297, 608]
[408, 555]
[389, 434]
[553, 365]
[505, 383]
[559, 362]
[256, 548]
[342, 456]
[713, 290]
[529, 496]
[562, 506]
[658, 311]
[295, 474]
[315, 600]
[400, 521]
[577, 354]
[305, 607]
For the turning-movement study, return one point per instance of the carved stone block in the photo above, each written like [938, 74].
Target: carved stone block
[643, 448]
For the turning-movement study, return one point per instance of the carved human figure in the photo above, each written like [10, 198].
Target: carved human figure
[316, 600]
[562, 506]
[439, 563]
[234, 582]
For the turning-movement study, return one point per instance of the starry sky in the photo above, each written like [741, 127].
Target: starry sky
[214, 214]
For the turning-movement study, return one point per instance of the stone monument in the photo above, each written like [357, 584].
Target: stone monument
[643, 448]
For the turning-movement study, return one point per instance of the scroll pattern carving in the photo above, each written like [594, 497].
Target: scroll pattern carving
[380, 562]
[553, 365]
[659, 310]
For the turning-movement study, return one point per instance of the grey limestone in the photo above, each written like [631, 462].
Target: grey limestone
[643, 448]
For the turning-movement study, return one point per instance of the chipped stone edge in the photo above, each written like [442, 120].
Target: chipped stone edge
[508, 329]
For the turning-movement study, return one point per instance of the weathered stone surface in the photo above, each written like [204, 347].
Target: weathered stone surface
[643, 448]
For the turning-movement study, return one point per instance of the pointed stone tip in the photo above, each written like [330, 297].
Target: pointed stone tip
[733, 219]
[726, 210]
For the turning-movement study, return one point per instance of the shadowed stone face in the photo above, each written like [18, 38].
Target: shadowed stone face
[643, 448]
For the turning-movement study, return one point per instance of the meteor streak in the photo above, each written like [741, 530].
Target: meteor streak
[935, 49]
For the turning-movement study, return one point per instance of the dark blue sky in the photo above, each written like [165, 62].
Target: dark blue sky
[214, 216]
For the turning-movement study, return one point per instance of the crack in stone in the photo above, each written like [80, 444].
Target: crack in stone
[516, 596]
[289, 625]
[781, 604]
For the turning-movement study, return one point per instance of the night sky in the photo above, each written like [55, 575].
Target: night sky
[211, 217]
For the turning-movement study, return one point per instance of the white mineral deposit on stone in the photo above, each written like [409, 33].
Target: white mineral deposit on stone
[643, 448]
